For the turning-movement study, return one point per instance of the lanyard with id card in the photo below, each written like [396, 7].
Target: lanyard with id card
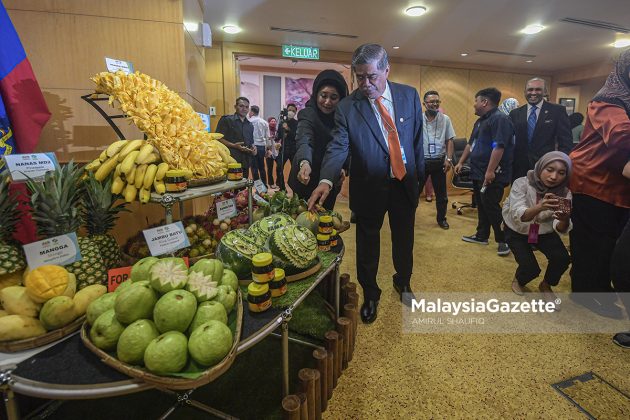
[532, 236]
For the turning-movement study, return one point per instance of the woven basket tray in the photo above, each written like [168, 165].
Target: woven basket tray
[128, 260]
[206, 181]
[49, 337]
[171, 382]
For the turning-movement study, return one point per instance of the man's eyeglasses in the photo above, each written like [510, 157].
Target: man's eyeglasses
[433, 102]
[371, 77]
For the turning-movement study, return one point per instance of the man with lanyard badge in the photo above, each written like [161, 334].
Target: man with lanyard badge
[438, 134]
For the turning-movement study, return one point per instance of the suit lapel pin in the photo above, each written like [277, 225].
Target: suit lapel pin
[401, 119]
[545, 111]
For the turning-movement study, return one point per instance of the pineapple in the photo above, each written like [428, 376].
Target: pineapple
[100, 214]
[11, 256]
[55, 203]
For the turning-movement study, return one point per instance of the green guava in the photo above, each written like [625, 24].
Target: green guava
[210, 343]
[229, 279]
[122, 286]
[169, 274]
[202, 286]
[227, 297]
[208, 311]
[135, 302]
[141, 269]
[100, 305]
[174, 311]
[167, 353]
[106, 331]
[134, 340]
[209, 267]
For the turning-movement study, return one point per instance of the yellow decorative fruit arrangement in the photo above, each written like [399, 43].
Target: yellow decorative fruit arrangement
[46, 282]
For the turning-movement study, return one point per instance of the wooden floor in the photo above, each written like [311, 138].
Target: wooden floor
[421, 376]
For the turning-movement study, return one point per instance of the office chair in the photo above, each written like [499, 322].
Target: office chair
[463, 180]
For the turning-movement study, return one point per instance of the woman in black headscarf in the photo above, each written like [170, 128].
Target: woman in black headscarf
[315, 124]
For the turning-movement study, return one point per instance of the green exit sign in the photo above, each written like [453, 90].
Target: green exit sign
[295, 51]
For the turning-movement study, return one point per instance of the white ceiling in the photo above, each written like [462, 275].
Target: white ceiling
[449, 28]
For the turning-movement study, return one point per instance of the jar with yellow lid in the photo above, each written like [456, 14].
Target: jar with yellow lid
[175, 180]
[234, 172]
[278, 285]
[323, 242]
[333, 238]
[262, 268]
[326, 224]
[258, 297]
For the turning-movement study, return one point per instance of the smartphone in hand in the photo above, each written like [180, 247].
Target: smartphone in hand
[564, 205]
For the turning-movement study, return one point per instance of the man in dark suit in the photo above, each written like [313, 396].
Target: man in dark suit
[540, 127]
[380, 125]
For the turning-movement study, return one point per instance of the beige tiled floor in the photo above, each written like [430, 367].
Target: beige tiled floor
[396, 375]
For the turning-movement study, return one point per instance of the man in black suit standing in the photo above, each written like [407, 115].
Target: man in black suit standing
[380, 125]
[540, 127]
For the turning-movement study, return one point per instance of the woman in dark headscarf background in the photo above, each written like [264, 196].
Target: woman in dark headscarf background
[601, 194]
[315, 124]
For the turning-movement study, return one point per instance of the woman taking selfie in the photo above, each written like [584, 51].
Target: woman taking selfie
[537, 209]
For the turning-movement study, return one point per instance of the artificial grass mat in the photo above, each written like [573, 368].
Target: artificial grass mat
[296, 288]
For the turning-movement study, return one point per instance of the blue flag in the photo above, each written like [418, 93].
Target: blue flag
[7, 142]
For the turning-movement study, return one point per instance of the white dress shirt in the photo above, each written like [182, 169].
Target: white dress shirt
[388, 103]
[261, 131]
[523, 196]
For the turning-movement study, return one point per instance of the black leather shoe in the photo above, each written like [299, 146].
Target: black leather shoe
[368, 311]
[443, 224]
[405, 293]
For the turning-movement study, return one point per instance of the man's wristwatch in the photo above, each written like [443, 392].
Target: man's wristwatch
[449, 159]
[302, 162]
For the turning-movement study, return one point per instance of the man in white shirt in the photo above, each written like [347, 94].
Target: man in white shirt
[261, 140]
[437, 137]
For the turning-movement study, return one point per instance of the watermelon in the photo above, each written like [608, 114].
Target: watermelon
[294, 248]
[265, 226]
[236, 250]
[309, 220]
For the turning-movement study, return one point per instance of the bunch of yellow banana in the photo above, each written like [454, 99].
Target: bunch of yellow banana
[171, 124]
[136, 166]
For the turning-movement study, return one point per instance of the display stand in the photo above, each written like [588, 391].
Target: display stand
[168, 200]
[93, 99]
[67, 370]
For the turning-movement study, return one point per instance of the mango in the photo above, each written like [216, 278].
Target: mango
[15, 300]
[87, 295]
[19, 327]
[46, 282]
[72, 286]
[57, 312]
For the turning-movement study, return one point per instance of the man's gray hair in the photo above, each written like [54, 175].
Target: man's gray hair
[369, 53]
[533, 79]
